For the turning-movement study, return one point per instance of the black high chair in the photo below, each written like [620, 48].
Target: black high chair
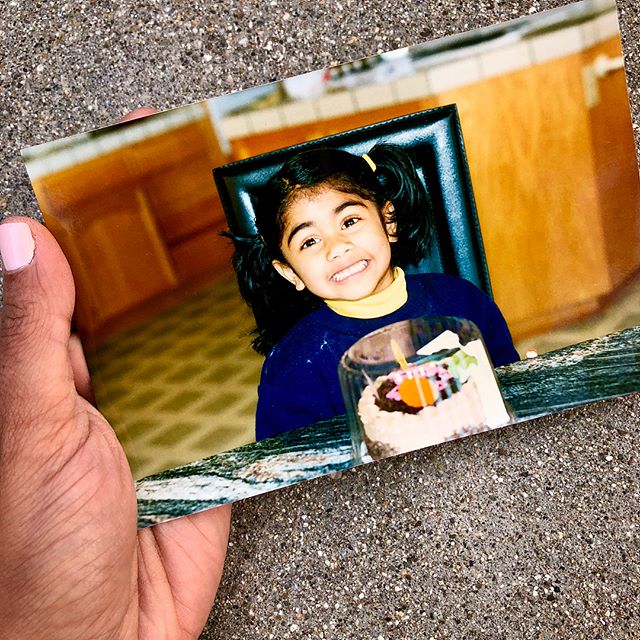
[435, 140]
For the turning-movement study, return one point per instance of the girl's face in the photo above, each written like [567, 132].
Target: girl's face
[336, 245]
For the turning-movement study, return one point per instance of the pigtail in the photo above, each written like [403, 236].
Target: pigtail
[275, 303]
[400, 183]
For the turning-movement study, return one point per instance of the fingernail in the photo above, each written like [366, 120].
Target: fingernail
[16, 245]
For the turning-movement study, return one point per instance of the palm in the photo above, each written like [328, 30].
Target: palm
[72, 562]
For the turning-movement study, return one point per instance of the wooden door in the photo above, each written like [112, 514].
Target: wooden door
[616, 167]
[109, 236]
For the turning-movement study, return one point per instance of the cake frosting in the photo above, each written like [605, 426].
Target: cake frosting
[450, 392]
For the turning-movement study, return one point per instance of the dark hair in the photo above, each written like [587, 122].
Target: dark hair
[276, 305]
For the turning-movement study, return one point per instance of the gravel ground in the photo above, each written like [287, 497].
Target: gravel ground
[528, 532]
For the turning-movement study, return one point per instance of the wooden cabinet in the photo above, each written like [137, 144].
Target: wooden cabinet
[140, 226]
[555, 181]
[616, 170]
[529, 150]
[556, 184]
[117, 258]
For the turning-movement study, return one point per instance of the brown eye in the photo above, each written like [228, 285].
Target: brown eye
[349, 222]
[308, 243]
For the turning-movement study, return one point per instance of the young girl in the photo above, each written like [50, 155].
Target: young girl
[335, 230]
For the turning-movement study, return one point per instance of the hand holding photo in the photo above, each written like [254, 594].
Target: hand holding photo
[351, 208]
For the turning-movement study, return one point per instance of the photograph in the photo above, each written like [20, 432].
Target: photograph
[295, 279]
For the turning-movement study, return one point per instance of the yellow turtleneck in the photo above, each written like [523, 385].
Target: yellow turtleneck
[377, 304]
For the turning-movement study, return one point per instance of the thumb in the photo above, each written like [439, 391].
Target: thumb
[35, 320]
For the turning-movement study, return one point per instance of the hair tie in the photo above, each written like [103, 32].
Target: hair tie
[369, 161]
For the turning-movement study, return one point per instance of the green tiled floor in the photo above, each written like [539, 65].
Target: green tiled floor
[183, 386]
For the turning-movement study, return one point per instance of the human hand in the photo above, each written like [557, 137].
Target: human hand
[72, 563]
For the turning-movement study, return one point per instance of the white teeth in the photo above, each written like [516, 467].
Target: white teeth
[349, 271]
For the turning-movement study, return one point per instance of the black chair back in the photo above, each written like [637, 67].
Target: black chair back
[434, 138]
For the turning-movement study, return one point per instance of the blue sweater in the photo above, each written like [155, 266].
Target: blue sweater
[299, 383]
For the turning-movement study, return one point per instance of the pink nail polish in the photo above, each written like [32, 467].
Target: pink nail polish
[16, 245]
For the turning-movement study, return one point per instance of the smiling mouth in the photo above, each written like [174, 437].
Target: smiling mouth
[350, 271]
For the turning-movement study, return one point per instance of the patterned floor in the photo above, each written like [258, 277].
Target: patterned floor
[183, 387]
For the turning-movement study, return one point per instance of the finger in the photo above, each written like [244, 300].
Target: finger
[189, 554]
[81, 377]
[141, 112]
[35, 319]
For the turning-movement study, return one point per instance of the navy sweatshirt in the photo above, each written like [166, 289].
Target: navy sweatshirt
[299, 383]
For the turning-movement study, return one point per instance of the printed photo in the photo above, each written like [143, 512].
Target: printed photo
[232, 257]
